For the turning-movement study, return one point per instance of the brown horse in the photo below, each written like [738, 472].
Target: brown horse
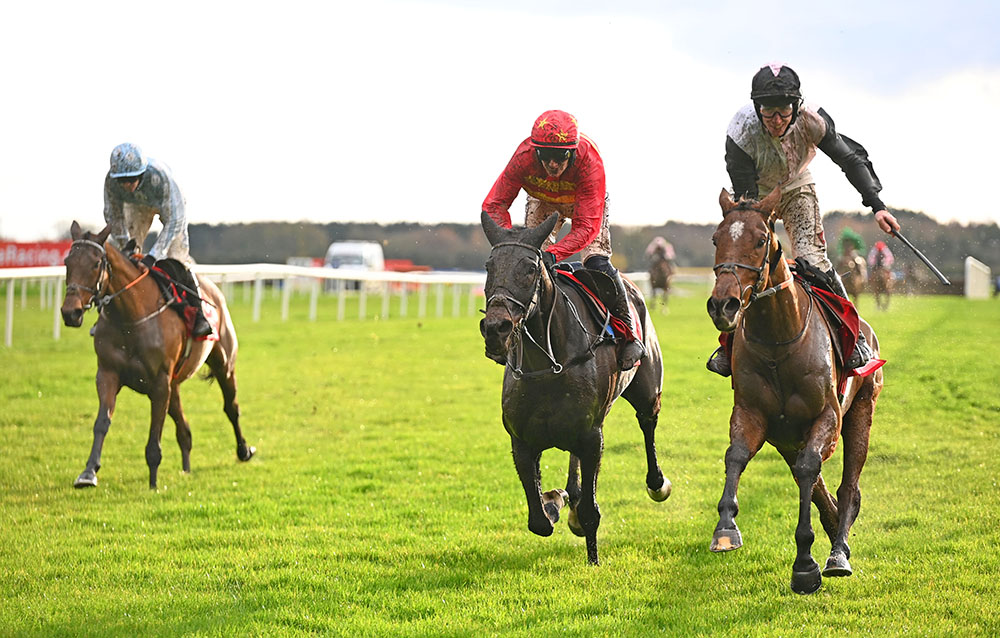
[856, 274]
[143, 346]
[881, 286]
[561, 378]
[785, 387]
[661, 272]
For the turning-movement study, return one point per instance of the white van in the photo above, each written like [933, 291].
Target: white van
[365, 256]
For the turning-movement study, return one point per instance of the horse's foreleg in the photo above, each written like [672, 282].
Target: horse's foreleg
[182, 427]
[805, 571]
[746, 436]
[227, 381]
[159, 399]
[588, 513]
[821, 497]
[526, 463]
[108, 386]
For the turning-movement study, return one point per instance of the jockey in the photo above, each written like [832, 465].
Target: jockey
[660, 248]
[880, 256]
[562, 171]
[136, 189]
[770, 143]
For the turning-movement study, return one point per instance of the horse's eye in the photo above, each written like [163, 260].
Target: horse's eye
[714, 243]
[761, 241]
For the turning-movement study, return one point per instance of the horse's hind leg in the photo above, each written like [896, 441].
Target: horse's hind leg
[226, 377]
[644, 395]
[182, 427]
[857, 427]
[573, 492]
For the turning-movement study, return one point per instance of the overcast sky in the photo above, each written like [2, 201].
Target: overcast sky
[407, 111]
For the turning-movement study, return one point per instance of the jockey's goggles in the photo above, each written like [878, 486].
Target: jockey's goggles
[553, 154]
[769, 112]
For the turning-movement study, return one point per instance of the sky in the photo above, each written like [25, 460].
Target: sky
[390, 111]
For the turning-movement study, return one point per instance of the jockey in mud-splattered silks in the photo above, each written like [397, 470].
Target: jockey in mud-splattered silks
[770, 143]
[137, 189]
[561, 171]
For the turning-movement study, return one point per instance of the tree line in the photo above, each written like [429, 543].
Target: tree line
[464, 247]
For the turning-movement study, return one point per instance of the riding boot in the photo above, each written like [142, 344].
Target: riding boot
[201, 327]
[719, 363]
[862, 353]
[633, 350]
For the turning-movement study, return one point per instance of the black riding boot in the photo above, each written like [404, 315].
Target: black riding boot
[633, 350]
[201, 327]
[719, 363]
[862, 353]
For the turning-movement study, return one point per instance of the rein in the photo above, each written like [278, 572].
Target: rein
[516, 351]
[98, 298]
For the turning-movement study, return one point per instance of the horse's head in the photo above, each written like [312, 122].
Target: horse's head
[86, 273]
[514, 273]
[744, 242]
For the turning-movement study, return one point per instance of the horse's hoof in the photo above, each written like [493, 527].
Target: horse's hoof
[837, 565]
[806, 582]
[87, 479]
[661, 494]
[574, 524]
[245, 453]
[552, 502]
[726, 540]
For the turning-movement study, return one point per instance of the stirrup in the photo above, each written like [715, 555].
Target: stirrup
[718, 363]
[862, 355]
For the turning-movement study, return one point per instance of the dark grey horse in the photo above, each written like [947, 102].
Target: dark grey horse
[561, 379]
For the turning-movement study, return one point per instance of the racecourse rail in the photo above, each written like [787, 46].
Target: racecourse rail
[299, 278]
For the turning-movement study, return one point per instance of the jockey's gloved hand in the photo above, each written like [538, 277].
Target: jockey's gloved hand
[548, 259]
[148, 261]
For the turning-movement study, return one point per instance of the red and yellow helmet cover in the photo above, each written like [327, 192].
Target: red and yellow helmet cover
[555, 129]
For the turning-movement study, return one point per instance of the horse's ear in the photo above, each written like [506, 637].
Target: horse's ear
[769, 203]
[494, 234]
[103, 235]
[726, 201]
[129, 247]
[536, 236]
[75, 231]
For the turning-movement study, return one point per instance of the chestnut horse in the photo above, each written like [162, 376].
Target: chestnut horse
[881, 286]
[785, 387]
[661, 272]
[561, 378]
[143, 345]
[856, 274]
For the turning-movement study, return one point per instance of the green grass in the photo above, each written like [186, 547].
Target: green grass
[383, 499]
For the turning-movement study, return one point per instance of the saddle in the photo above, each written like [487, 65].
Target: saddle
[174, 281]
[600, 294]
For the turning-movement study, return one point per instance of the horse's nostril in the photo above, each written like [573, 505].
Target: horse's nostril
[732, 306]
[505, 327]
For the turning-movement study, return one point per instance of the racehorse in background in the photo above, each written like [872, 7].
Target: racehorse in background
[855, 274]
[660, 258]
[141, 345]
[786, 380]
[561, 378]
[881, 285]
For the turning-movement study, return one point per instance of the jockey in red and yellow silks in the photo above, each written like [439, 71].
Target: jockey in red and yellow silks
[561, 171]
[577, 194]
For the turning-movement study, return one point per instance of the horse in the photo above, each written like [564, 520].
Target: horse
[661, 272]
[141, 345]
[856, 275]
[881, 286]
[785, 382]
[560, 379]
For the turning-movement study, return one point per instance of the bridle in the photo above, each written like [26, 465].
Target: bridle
[98, 298]
[767, 265]
[104, 268]
[503, 296]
